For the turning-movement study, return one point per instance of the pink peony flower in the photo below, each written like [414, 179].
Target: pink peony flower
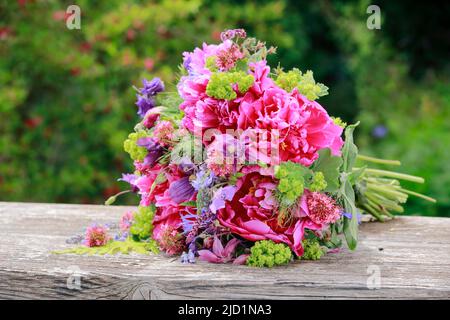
[203, 112]
[252, 214]
[145, 184]
[96, 236]
[260, 71]
[321, 130]
[303, 127]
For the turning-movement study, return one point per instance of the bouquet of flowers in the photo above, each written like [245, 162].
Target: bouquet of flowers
[243, 165]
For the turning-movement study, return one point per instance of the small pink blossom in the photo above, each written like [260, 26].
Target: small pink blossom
[171, 240]
[219, 254]
[224, 155]
[125, 221]
[96, 236]
[320, 208]
[195, 62]
[163, 132]
[227, 58]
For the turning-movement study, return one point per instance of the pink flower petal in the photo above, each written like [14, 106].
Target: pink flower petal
[218, 247]
[256, 226]
[206, 255]
[242, 259]
[230, 247]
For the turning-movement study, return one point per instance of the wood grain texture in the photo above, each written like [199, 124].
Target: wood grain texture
[411, 254]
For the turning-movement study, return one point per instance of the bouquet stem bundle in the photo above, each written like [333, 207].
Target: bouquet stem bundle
[380, 192]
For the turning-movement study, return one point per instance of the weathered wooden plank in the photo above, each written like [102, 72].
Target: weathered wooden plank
[410, 253]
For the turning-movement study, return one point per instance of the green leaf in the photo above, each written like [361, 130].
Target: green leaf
[329, 165]
[347, 194]
[160, 178]
[350, 233]
[355, 175]
[191, 203]
[349, 150]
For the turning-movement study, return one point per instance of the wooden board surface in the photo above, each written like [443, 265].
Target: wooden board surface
[401, 259]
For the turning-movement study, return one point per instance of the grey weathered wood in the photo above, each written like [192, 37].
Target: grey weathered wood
[412, 254]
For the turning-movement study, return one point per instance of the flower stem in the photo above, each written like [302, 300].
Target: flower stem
[419, 195]
[393, 174]
[378, 160]
[113, 198]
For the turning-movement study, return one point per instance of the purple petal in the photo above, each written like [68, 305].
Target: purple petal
[151, 158]
[216, 205]
[229, 192]
[128, 177]
[152, 87]
[146, 142]
[144, 104]
[181, 190]
[131, 179]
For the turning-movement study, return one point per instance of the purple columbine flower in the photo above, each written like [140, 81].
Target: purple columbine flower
[188, 222]
[121, 236]
[187, 62]
[348, 215]
[380, 131]
[145, 98]
[155, 150]
[144, 104]
[220, 196]
[186, 165]
[181, 190]
[188, 257]
[131, 179]
[152, 87]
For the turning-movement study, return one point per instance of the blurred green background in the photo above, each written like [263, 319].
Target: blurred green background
[67, 103]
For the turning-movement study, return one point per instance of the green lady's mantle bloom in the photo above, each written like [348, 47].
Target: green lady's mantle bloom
[142, 226]
[220, 85]
[312, 250]
[267, 253]
[304, 82]
[130, 146]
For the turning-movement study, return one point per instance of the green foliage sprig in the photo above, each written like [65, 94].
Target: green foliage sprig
[114, 247]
